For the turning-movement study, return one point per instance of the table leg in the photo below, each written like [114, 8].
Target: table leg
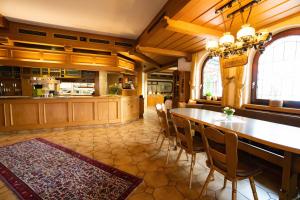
[289, 178]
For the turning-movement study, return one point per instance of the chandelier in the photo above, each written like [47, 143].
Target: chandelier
[246, 38]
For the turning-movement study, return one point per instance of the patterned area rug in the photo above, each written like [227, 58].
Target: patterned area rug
[39, 169]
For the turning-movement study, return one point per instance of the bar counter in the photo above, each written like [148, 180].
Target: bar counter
[21, 113]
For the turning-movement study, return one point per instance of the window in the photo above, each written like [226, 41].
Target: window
[211, 77]
[276, 72]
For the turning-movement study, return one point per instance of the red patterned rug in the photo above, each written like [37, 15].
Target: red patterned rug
[39, 169]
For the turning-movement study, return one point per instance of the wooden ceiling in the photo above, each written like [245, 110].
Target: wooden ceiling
[202, 12]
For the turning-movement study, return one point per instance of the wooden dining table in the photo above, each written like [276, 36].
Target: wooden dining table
[277, 136]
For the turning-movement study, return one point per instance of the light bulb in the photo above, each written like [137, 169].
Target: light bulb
[246, 32]
[226, 40]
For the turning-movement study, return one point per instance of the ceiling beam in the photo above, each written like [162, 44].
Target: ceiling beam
[190, 28]
[3, 22]
[144, 58]
[165, 52]
[163, 67]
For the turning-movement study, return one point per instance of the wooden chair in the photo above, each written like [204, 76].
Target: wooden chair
[222, 154]
[187, 142]
[168, 131]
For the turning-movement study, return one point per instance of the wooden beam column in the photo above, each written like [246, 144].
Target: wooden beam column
[166, 52]
[190, 28]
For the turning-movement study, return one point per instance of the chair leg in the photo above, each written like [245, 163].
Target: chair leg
[174, 144]
[234, 189]
[211, 172]
[251, 179]
[187, 156]
[158, 136]
[179, 154]
[162, 143]
[168, 153]
[192, 169]
[225, 182]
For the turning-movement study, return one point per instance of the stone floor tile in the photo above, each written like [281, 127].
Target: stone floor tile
[167, 192]
[156, 179]
[141, 196]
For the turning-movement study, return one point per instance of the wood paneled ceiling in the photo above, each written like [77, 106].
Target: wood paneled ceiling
[202, 12]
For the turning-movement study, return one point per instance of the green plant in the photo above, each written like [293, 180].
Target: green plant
[114, 89]
[208, 94]
[228, 111]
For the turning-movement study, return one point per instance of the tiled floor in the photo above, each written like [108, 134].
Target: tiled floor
[132, 148]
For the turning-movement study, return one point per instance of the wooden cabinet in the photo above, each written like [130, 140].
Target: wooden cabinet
[181, 89]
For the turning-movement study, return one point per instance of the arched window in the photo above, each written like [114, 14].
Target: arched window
[211, 77]
[276, 72]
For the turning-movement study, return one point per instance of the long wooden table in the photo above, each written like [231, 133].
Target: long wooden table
[277, 136]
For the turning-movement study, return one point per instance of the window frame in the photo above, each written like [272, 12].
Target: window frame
[254, 100]
[202, 96]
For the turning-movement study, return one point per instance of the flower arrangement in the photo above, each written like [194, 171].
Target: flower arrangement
[229, 111]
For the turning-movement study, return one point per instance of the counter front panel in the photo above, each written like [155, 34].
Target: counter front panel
[22, 114]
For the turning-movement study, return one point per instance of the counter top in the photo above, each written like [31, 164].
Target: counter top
[57, 97]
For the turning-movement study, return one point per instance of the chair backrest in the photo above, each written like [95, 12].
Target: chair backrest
[164, 122]
[157, 108]
[221, 149]
[183, 133]
[168, 104]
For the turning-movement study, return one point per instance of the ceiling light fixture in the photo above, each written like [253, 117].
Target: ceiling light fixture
[246, 37]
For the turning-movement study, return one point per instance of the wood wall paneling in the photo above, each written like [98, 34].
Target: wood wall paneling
[83, 111]
[107, 61]
[56, 112]
[24, 114]
[130, 107]
[4, 53]
[32, 55]
[13, 33]
[2, 115]
[103, 111]
[125, 64]
[45, 58]
[114, 115]
[81, 59]
[55, 57]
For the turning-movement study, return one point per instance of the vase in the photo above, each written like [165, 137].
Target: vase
[229, 117]
[208, 98]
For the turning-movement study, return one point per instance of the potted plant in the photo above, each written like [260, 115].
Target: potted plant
[208, 96]
[114, 89]
[229, 112]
